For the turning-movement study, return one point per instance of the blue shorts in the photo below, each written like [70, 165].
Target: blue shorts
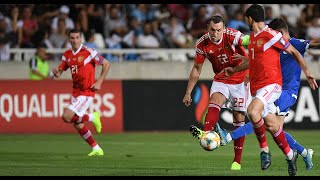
[284, 103]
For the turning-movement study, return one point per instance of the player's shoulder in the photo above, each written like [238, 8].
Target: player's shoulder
[231, 31]
[271, 32]
[67, 52]
[203, 39]
[86, 48]
[294, 40]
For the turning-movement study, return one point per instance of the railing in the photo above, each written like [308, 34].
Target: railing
[24, 54]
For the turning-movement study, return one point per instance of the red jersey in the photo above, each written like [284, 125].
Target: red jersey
[219, 54]
[82, 66]
[264, 58]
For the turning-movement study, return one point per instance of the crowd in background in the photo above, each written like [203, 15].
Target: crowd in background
[119, 26]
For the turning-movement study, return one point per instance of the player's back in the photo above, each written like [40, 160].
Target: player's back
[291, 71]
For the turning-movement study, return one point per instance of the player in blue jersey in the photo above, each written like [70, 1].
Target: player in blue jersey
[291, 72]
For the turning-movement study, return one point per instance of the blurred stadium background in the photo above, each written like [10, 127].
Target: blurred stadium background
[145, 130]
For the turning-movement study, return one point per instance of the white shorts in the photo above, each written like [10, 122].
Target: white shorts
[236, 94]
[268, 95]
[80, 104]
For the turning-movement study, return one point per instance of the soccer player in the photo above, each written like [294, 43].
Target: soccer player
[291, 73]
[82, 62]
[218, 46]
[265, 81]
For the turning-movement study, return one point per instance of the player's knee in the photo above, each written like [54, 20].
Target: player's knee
[65, 118]
[239, 116]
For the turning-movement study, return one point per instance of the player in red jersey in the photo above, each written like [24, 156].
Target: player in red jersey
[82, 62]
[265, 82]
[218, 46]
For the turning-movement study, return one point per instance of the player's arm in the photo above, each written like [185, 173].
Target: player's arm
[193, 79]
[298, 57]
[104, 71]
[56, 72]
[229, 71]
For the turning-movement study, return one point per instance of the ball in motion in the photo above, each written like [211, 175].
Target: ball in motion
[210, 140]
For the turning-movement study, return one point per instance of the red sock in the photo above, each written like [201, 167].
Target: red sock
[280, 138]
[77, 119]
[212, 117]
[260, 131]
[85, 133]
[237, 147]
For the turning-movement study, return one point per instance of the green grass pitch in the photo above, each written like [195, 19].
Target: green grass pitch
[142, 154]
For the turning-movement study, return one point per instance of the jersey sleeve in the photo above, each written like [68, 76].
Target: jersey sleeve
[237, 37]
[303, 46]
[278, 41]
[200, 54]
[98, 59]
[64, 66]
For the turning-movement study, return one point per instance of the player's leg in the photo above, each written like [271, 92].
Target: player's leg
[283, 104]
[82, 103]
[218, 93]
[257, 109]
[238, 143]
[272, 125]
[86, 134]
[306, 154]
[78, 108]
[238, 99]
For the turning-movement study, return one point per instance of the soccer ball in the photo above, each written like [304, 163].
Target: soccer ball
[210, 140]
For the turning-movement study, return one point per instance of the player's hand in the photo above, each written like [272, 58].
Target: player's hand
[187, 99]
[312, 82]
[238, 57]
[95, 86]
[228, 71]
[56, 72]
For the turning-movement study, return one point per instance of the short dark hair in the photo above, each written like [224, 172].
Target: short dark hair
[73, 31]
[256, 12]
[216, 19]
[41, 45]
[278, 24]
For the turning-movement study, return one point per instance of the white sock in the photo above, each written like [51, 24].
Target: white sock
[304, 153]
[229, 138]
[266, 149]
[96, 147]
[289, 155]
[91, 117]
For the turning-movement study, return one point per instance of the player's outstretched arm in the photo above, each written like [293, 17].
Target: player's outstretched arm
[193, 79]
[57, 72]
[104, 71]
[298, 57]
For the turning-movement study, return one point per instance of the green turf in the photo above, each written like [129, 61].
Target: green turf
[141, 154]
